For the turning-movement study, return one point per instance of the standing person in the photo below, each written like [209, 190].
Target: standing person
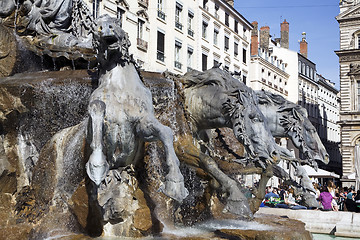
[331, 187]
[325, 198]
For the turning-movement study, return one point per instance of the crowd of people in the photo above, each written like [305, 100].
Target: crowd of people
[329, 196]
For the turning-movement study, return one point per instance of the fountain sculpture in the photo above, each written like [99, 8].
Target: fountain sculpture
[89, 161]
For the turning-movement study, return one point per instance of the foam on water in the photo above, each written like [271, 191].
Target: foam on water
[213, 225]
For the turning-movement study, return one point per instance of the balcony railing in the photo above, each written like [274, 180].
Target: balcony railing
[178, 25]
[190, 32]
[161, 15]
[160, 56]
[144, 3]
[178, 64]
[143, 45]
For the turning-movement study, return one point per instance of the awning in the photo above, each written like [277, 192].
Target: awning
[320, 173]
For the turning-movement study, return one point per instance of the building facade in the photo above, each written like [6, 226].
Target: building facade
[180, 35]
[349, 61]
[277, 69]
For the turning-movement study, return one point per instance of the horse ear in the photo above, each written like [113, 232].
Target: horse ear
[297, 114]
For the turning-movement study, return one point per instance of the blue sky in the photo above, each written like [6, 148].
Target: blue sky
[316, 18]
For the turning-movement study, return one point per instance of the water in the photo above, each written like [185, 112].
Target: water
[204, 229]
[329, 237]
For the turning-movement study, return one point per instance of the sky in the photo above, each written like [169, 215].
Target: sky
[315, 17]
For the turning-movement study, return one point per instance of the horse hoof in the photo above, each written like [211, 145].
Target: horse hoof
[174, 190]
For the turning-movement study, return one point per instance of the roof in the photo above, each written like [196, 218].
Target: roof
[320, 173]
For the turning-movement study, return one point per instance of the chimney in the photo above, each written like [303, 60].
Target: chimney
[284, 42]
[304, 46]
[230, 2]
[264, 37]
[254, 45]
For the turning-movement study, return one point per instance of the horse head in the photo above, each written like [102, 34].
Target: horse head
[251, 127]
[305, 137]
[215, 99]
[111, 41]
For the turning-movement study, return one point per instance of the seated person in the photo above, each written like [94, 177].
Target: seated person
[349, 201]
[291, 201]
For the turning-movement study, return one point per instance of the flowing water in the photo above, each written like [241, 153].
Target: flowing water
[204, 229]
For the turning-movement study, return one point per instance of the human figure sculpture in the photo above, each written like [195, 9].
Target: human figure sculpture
[122, 115]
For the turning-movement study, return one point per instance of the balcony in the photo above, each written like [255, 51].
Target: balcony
[178, 25]
[178, 64]
[190, 32]
[141, 44]
[161, 15]
[160, 56]
[143, 3]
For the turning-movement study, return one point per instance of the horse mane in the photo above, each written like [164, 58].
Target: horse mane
[215, 77]
[266, 97]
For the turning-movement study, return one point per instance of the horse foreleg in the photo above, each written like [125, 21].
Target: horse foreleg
[259, 192]
[97, 166]
[237, 203]
[151, 129]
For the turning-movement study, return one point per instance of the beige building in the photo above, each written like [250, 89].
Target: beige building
[349, 60]
[179, 35]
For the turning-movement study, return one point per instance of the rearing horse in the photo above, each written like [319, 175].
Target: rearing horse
[122, 114]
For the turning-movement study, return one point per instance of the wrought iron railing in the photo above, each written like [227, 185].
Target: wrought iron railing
[178, 64]
[161, 15]
[160, 56]
[178, 25]
[190, 32]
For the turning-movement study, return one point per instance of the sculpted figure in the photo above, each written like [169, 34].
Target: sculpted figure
[214, 99]
[122, 115]
[286, 119]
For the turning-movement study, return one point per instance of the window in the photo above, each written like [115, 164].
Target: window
[177, 54]
[307, 71]
[216, 34]
[244, 79]
[299, 66]
[204, 3]
[96, 8]
[178, 10]
[236, 49]
[216, 62]
[160, 46]
[216, 11]
[358, 41]
[236, 23]
[189, 58]
[303, 68]
[140, 28]
[120, 15]
[226, 19]
[160, 8]
[204, 29]
[204, 62]
[226, 43]
[190, 23]
[244, 55]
